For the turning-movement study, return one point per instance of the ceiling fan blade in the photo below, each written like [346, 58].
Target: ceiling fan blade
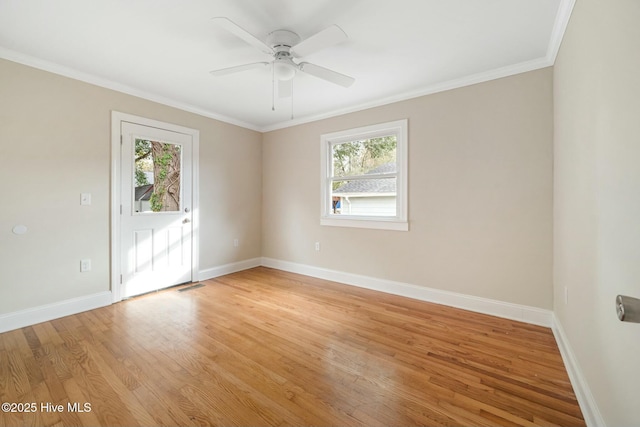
[285, 88]
[325, 38]
[243, 34]
[238, 68]
[326, 74]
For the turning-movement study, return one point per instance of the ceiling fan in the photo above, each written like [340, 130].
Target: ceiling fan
[285, 46]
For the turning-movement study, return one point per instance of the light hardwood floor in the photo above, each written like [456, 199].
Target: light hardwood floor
[265, 347]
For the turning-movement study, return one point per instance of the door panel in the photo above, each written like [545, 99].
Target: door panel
[142, 250]
[156, 227]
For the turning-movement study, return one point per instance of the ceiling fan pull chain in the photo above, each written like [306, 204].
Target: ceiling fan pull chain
[273, 87]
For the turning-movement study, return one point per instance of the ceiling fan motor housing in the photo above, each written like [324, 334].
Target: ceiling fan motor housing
[282, 40]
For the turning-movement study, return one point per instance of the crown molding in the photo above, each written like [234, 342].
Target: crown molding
[563, 15]
[559, 27]
[482, 77]
[54, 68]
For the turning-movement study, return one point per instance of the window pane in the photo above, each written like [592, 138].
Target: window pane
[364, 156]
[156, 176]
[365, 197]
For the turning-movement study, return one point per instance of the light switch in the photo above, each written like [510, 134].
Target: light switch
[85, 199]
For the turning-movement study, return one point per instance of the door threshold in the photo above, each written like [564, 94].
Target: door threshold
[188, 288]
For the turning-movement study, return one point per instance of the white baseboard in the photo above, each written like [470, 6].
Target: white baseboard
[233, 267]
[506, 310]
[587, 403]
[44, 313]
[533, 315]
[522, 313]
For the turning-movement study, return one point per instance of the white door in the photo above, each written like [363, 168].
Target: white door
[156, 203]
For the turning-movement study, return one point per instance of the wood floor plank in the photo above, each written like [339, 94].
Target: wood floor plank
[76, 394]
[266, 347]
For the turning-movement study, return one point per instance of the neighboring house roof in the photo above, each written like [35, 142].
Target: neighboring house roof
[365, 187]
[144, 192]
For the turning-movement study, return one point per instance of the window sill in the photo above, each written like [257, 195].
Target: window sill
[378, 223]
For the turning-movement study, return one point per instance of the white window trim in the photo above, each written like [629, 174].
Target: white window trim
[398, 222]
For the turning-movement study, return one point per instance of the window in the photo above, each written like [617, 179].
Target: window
[364, 177]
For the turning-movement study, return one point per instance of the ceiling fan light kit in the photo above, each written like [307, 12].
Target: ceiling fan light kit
[284, 71]
[285, 46]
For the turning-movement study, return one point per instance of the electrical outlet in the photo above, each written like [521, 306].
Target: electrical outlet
[236, 242]
[85, 199]
[317, 246]
[85, 265]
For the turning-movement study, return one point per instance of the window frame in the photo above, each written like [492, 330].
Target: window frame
[399, 222]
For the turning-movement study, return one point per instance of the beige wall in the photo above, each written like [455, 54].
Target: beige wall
[55, 143]
[480, 194]
[479, 190]
[597, 198]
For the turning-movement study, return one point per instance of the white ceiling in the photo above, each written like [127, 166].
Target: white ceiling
[163, 50]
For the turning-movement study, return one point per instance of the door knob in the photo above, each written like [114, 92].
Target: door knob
[186, 221]
[628, 309]
[186, 210]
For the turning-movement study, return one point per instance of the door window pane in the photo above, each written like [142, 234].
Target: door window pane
[156, 177]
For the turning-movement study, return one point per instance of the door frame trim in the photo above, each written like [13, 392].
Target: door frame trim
[117, 118]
